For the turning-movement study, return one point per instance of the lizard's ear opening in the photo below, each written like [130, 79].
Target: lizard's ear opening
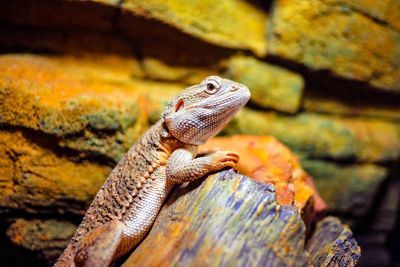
[180, 104]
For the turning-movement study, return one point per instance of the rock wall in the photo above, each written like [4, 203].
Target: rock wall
[80, 81]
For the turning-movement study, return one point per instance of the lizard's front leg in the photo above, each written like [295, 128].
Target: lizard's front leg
[183, 166]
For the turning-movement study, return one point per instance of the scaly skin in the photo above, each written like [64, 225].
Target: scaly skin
[127, 204]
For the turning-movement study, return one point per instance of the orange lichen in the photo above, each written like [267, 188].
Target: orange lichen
[41, 178]
[75, 98]
[265, 159]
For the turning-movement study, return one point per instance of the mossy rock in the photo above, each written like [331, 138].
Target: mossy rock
[325, 136]
[270, 86]
[340, 37]
[89, 105]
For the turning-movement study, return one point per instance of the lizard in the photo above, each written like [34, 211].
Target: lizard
[126, 205]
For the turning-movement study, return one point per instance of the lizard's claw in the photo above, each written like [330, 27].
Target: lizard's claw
[225, 159]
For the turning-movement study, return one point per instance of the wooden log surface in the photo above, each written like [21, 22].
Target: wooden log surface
[332, 244]
[225, 220]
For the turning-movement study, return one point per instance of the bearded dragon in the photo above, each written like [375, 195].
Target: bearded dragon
[127, 204]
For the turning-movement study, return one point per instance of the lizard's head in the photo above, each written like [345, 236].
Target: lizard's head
[202, 110]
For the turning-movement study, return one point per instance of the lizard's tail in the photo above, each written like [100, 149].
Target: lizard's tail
[67, 258]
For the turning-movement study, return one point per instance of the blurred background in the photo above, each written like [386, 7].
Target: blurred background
[80, 81]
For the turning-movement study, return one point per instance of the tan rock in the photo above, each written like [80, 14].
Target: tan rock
[47, 238]
[36, 177]
[90, 104]
[374, 105]
[233, 24]
[271, 86]
[155, 69]
[350, 189]
[265, 159]
[384, 11]
[324, 136]
[332, 35]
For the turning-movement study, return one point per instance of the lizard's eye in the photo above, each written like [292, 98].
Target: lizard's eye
[212, 87]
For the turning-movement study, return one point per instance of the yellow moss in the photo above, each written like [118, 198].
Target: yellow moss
[235, 24]
[158, 70]
[384, 10]
[326, 35]
[75, 98]
[41, 178]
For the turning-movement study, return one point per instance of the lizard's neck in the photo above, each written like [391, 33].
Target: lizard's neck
[162, 136]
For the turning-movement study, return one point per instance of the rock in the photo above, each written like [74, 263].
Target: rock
[380, 106]
[35, 177]
[47, 238]
[384, 11]
[347, 189]
[323, 136]
[332, 244]
[386, 216]
[265, 159]
[376, 256]
[224, 220]
[222, 24]
[341, 37]
[155, 69]
[269, 84]
[70, 99]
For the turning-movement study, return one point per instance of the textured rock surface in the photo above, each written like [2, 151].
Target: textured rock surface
[155, 69]
[332, 244]
[48, 238]
[324, 136]
[347, 189]
[265, 159]
[221, 221]
[64, 117]
[35, 178]
[189, 229]
[268, 84]
[219, 24]
[70, 98]
[384, 11]
[335, 35]
[369, 105]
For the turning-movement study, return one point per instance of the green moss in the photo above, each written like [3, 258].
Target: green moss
[331, 35]
[224, 24]
[324, 136]
[347, 189]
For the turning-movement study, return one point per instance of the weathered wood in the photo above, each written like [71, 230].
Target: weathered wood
[332, 244]
[226, 220]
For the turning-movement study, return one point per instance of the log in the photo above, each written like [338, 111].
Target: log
[332, 244]
[226, 220]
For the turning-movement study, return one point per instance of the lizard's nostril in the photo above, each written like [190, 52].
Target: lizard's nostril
[234, 88]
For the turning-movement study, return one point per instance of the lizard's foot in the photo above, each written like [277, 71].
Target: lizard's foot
[223, 159]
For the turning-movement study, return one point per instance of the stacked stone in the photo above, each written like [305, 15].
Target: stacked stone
[80, 81]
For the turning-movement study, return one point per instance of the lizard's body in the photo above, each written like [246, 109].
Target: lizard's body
[127, 204]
